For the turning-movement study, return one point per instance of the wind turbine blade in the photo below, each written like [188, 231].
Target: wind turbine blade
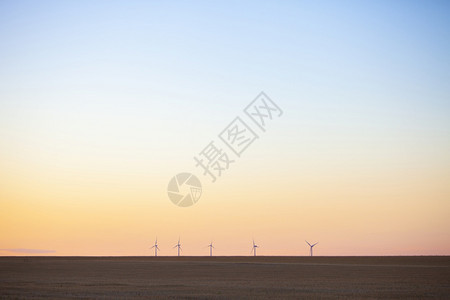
[308, 243]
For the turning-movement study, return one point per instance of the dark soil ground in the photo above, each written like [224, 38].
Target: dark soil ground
[225, 277]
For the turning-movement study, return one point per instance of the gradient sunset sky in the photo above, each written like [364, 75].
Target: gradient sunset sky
[103, 102]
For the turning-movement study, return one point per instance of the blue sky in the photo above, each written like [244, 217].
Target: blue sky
[381, 64]
[369, 50]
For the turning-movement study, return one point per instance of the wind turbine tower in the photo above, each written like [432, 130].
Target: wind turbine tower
[311, 247]
[210, 248]
[254, 248]
[156, 247]
[178, 245]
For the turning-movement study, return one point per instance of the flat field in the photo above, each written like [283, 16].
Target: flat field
[225, 277]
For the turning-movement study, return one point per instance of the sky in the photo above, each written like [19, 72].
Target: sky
[103, 102]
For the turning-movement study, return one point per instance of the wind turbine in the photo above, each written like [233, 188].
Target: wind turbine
[311, 247]
[156, 247]
[254, 248]
[210, 248]
[178, 246]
